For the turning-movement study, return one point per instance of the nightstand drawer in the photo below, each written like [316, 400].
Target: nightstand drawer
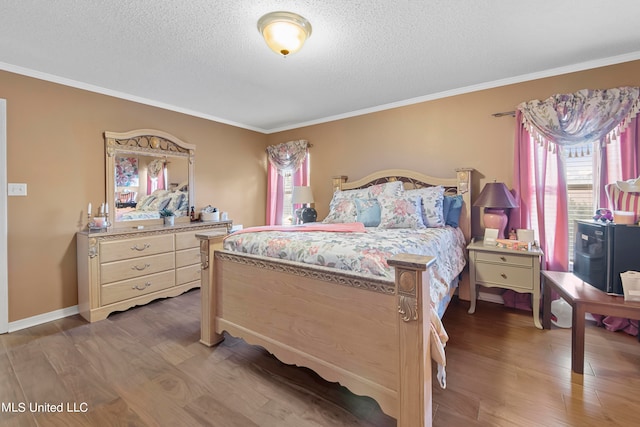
[504, 275]
[504, 258]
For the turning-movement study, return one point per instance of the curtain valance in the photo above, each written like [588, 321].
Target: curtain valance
[288, 156]
[155, 167]
[585, 116]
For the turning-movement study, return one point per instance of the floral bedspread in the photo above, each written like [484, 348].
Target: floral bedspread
[363, 253]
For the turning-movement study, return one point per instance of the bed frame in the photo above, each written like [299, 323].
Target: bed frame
[370, 335]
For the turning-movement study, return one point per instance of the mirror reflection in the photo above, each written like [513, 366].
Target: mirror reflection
[149, 173]
[145, 185]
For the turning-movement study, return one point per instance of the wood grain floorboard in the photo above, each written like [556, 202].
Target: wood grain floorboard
[145, 367]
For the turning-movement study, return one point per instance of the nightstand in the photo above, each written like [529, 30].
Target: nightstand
[496, 267]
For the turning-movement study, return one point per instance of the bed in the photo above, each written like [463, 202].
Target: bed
[369, 332]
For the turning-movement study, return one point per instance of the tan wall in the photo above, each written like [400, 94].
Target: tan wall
[55, 145]
[437, 136]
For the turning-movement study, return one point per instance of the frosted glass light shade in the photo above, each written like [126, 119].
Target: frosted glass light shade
[284, 32]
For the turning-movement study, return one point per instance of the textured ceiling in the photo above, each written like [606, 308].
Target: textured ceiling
[206, 57]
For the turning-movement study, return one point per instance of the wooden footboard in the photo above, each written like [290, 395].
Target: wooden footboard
[370, 335]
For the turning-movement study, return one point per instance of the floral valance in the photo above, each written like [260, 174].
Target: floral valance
[288, 156]
[155, 167]
[584, 116]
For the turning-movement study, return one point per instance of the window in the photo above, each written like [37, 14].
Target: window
[287, 206]
[280, 184]
[580, 179]
[579, 170]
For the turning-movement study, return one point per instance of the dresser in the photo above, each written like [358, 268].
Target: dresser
[122, 268]
[519, 271]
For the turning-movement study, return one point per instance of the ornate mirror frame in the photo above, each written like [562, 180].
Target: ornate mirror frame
[144, 142]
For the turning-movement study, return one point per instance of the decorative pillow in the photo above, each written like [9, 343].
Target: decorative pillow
[432, 202]
[452, 207]
[368, 212]
[343, 208]
[176, 201]
[393, 188]
[164, 204]
[400, 212]
[145, 202]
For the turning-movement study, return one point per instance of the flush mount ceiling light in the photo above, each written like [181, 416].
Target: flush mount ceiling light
[284, 32]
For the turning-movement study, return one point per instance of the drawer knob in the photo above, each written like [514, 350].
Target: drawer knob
[141, 288]
[504, 276]
[503, 259]
[136, 248]
[139, 268]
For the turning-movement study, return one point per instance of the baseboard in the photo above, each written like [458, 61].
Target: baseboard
[43, 318]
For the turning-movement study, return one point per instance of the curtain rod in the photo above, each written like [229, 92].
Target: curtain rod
[505, 113]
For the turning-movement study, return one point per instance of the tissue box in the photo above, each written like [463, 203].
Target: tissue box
[631, 285]
[210, 216]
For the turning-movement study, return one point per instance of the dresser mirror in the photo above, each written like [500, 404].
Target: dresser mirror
[148, 172]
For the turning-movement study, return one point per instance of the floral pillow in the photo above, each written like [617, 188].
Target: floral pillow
[394, 188]
[432, 203]
[400, 212]
[343, 208]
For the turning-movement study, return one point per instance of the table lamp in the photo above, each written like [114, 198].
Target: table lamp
[302, 195]
[495, 197]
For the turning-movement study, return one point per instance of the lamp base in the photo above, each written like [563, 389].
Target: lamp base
[495, 218]
[307, 215]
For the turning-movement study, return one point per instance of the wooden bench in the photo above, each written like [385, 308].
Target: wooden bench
[583, 298]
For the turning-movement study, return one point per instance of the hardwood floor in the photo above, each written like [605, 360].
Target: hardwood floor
[145, 367]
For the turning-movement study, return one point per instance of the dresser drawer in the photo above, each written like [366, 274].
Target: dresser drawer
[135, 267]
[132, 288]
[187, 240]
[132, 248]
[187, 274]
[505, 258]
[187, 257]
[504, 275]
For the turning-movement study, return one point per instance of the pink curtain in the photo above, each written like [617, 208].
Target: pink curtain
[275, 192]
[155, 176]
[540, 184]
[539, 179]
[290, 157]
[275, 189]
[301, 177]
[619, 161]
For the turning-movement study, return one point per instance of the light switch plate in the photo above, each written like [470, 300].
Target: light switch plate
[17, 189]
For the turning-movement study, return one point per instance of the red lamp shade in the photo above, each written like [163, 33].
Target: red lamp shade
[495, 197]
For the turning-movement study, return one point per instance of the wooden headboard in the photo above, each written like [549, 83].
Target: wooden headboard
[461, 184]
